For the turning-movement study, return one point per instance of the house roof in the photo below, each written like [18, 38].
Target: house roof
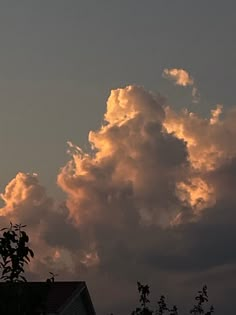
[53, 296]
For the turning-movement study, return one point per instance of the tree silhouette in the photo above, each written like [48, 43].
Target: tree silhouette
[144, 301]
[14, 253]
[162, 307]
[202, 298]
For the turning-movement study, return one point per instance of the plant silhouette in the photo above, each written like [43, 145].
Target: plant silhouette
[202, 298]
[162, 307]
[14, 253]
[52, 278]
[144, 301]
[16, 297]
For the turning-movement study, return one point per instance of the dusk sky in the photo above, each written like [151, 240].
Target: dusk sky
[118, 128]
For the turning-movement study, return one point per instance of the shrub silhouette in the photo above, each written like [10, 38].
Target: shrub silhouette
[14, 253]
[202, 298]
[143, 309]
[163, 308]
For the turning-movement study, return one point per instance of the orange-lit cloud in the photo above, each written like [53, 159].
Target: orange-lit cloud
[142, 202]
[179, 76]
[132, 154]
[26, 202]
[182, 78]
[209, 141]
[198, 194]
[215, 114]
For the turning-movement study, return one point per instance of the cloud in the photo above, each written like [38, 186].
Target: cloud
[26, 202]
[209, 141]
[195, 95]
[132, 156]
[215, 114]
[182, 78]
[153, 198]
[179, 76]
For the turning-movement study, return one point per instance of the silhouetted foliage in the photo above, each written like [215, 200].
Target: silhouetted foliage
[52, 278]
[202, 298]
[19, 300]
[14, 253]
[162, 307]
[144, 301]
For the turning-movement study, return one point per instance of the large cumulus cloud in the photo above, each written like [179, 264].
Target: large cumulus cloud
[132, 171]
[152, 200]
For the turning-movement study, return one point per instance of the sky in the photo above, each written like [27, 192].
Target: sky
[118, 144]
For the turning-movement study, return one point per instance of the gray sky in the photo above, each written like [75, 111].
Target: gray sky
[59, 61]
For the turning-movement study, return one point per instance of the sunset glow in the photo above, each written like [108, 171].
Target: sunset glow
[118, 146]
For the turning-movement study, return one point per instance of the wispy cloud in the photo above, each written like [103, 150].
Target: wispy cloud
[182, 78]
[179, 76]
